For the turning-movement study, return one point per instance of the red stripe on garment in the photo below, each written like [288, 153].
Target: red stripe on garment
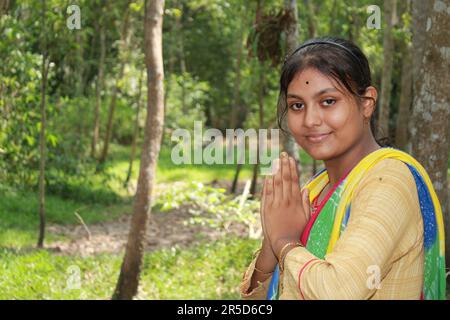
[300, 275]
[306, 232]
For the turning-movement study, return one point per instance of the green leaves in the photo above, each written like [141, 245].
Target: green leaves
[210, 206]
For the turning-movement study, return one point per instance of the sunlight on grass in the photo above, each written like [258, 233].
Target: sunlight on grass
[169, 172]
[205, 271]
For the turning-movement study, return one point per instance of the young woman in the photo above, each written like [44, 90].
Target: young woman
[368, 226]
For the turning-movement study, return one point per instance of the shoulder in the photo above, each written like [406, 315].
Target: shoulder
[387, 197]
[387, 175]
[388, 187]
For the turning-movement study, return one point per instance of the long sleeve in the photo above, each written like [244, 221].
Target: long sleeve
[258, 293]
[384, 226]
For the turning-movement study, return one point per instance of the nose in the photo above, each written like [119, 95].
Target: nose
[313, 117]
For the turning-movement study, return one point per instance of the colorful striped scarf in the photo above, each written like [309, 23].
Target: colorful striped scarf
[326, 227]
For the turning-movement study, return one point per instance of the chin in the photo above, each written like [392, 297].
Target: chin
[319, 152]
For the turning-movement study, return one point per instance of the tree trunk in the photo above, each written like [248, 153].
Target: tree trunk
[404, 108]
[333, 14]
[312, 29]
[288, 142]
[98, 92]
[4, 7]
[135, 131]
[430, 133]
[129, 274]
[235, 106]
[261, 96]
[179, 31]
[112, 106]
[42, 144]
[388, 58]
[236, 178]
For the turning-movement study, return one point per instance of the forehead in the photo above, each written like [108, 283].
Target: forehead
[310, 79]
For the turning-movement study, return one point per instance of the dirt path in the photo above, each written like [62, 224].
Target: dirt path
[165, 229]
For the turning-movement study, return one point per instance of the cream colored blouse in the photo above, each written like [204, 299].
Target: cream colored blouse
[380, 254]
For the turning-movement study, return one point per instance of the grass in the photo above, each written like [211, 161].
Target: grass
[19, 219]
[204, 271]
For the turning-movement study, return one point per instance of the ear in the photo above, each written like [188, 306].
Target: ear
[368, 105]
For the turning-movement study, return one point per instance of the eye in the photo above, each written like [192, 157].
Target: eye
[296, 106]
[328, 102]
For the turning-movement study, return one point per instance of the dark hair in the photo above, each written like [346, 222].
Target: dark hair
[339, 58]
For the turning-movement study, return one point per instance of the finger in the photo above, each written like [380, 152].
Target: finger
[277, 185]
[295, 189]
[261, 211]
[268, 191]
[286, 177]
[262, 195]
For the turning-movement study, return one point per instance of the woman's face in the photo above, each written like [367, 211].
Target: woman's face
[323, 120]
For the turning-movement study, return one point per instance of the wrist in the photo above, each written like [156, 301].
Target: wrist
[284, 250]
[282, 242]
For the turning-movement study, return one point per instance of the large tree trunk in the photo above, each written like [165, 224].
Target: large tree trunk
[112, 106]
[129, 274]
[287, 140]
[388, 58]
[98, 91]
[42, 145]
[430, 134]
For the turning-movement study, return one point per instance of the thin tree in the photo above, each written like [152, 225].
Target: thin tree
[261, 96]
[236, 104]
[112, 107]
[388, 58]
[42, 144]
[430, 130]
[180, 34]
[98, 86]
[135, 130]
[128, 281]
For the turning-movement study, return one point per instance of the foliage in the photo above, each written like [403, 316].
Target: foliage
[212, 206]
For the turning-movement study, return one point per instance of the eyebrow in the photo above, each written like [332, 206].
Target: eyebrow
[293, 95]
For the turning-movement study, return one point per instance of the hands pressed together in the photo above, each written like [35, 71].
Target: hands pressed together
[284, 209]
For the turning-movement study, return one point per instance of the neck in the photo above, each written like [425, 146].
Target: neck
[337, 167]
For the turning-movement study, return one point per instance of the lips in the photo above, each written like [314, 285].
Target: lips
[317, 137]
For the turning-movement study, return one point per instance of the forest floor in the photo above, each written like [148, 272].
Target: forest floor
[164, 230]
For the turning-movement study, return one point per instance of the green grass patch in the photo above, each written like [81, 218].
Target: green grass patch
[204, 271]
